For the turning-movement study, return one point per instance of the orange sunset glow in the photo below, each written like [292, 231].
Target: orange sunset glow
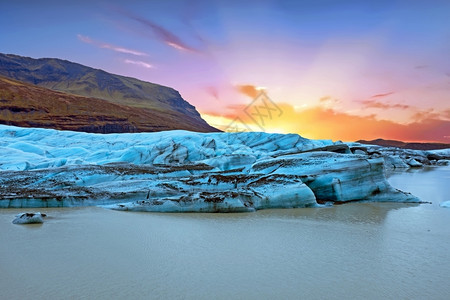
[322, 121]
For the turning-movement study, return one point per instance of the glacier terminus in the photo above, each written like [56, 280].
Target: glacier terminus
[183, 171]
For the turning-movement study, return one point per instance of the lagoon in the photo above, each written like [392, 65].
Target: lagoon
[357, 250]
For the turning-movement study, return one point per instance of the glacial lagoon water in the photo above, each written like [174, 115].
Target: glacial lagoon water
[352, 251]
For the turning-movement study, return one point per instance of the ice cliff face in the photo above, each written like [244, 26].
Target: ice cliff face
[181, 171]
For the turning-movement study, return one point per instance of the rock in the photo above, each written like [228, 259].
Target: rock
[29, 218]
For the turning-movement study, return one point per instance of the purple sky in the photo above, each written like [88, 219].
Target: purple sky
[385, 63]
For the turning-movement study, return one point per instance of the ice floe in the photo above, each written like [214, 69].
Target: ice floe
[29, 218]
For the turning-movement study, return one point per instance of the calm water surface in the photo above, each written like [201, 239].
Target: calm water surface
[362, 251]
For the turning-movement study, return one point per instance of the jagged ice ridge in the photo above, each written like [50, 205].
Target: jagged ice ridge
[182, 171]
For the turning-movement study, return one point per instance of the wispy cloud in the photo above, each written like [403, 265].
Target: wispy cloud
[138, 63]
[431, 114]
[88, 40]
[373, 102]
[381, 105]
[324, 99]
[161, 33]
[328, 101]
[213, 91]
[425, 114]
[382, 95]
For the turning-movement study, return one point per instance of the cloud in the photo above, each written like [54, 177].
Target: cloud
[325, 99]
[373, 102]
[431, 114]
[249, 90]
[377, 104]
[446, 114]
[328, 101]
[161, 33]
[88, 40]
[213, 91]
[139, 63]
[382, 95]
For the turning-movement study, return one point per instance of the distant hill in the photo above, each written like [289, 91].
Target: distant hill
[26, 105]
[73, 78]
[403, 145]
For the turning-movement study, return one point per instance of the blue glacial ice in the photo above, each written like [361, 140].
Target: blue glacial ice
[445, 204]
[180, 171]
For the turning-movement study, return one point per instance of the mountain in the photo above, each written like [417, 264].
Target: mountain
[27, 105]
[76, 79]
[403, 145]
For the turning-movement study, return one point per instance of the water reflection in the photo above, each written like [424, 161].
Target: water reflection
[425, 169]
[30, 226]
[430, 184]
[363, 213]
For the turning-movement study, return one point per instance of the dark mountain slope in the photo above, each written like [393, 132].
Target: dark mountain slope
[398, 144]
[26, 105]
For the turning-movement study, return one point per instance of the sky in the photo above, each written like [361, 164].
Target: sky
[325, 69]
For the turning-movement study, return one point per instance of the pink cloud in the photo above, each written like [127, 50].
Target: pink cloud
[213, 91]
[377, 104]
[161, 33]
[382, 95]
[431, 114]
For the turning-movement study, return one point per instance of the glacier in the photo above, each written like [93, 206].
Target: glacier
[182, 171]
